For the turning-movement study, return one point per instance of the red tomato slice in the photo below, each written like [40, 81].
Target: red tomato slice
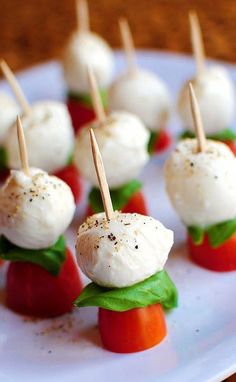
[80, 114]
[136, 205]
[3, 175]
[32, 291]
[231, 145]
[163, 141]
[221, 259]
[71, 176]
[132, 331]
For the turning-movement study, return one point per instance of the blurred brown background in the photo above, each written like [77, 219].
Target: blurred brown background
[35, 30]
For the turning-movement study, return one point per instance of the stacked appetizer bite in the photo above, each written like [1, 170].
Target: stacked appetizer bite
[8, 113]
[85, 49]
[201, 183]
[123, 139]
[142, 93]
[124, 256]
[49, 135]
[215, 94]
[35, 210]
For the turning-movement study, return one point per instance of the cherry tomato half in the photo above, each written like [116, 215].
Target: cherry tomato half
[80, 114]
[231, 145]
[136, 204]
[71, 176]
[163, 141]
[32, 291]
[132, 331]
[221, 259]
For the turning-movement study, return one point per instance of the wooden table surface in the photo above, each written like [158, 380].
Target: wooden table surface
[35, 31]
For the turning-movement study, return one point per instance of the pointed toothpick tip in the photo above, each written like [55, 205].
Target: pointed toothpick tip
[82, 12]
[11, 79]
[128, 44]
[96, 98]
[22, 147]
[197, 120]
[101, 176]
[197, 42]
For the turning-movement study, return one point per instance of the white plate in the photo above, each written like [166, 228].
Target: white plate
[201, 342]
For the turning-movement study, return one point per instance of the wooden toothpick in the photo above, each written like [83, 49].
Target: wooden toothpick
[82, 15]
[197, 42]
[104, 189]
[128, 44]
[197, 120]
[96, 99]
[22, 147]
[11, 79]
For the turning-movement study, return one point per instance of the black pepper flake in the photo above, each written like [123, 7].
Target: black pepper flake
[191, 164]
[127, 224]
[49, 351]
[31, 200]
[136, 246]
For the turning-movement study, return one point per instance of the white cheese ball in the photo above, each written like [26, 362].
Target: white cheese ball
[123, 251]
[8, 113]
[144, 94]
[202, 185]
[87, 49]
[216, 99]
[35, 210]
[49, 137]
[122, 141]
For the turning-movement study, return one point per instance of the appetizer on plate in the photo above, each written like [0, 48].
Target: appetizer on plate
[9, 110]
[124, 256]
[85, 48]
[201, 183]
[49, 135]
[141, 92]
[215, 93]
[35, 211]
[123, 142]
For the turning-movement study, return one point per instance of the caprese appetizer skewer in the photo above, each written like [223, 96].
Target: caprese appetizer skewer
[85, 49]
[141, 92]
[200, 179]
[124, 256]
[123, 141]
[35, 211]
[49, 135]
[215, 94]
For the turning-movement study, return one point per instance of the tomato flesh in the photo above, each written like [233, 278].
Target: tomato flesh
[231, 145]
[221, 259]
[132, 331]
[162, 142]
[80, 113]
[32, 291]
[136, 204]
[71, 176]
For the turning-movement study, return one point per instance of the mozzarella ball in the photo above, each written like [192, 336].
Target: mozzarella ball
[141, 93]
[122, 140]
[123, 251]
[216, 99]
[35, 210]
[8, 114]
[49, 137]
[202, 185]
[87, 50]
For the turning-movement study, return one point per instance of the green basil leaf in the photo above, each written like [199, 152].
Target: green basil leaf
[120, 196]
[86, 99]
[223, 135]
[158, 288]
[50, 259]
[186, 134]
[221, 232]
[197, 234]
[152, 140]
[3, 158]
